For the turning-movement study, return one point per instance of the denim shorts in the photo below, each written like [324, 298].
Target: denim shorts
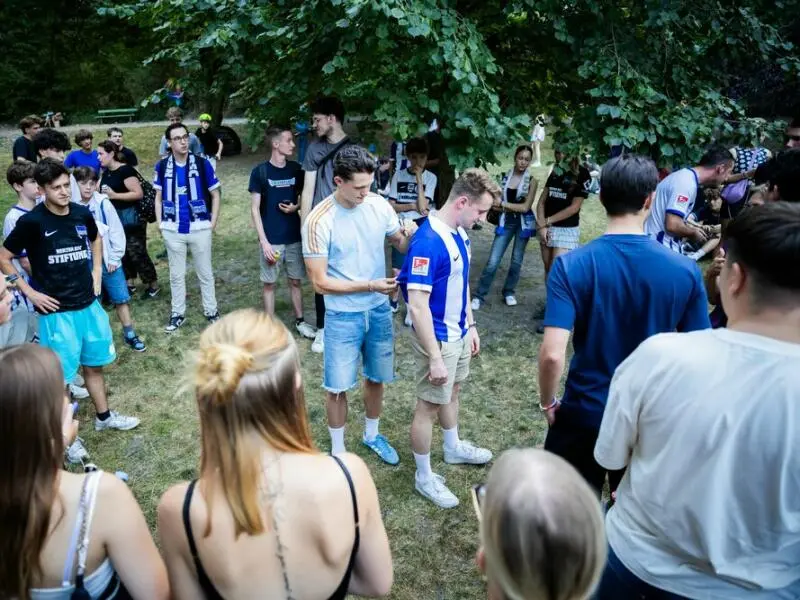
[355, 337]
[115, 286]
[78, 337]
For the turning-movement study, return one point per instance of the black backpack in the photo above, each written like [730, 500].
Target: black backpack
[146, 207]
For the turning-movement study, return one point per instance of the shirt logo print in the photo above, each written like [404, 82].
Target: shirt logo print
[49, 233]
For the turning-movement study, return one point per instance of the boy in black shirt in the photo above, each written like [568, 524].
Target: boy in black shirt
[212, 145]
[58, 237]
[23, 150]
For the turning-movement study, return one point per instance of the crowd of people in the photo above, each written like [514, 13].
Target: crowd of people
[671, 415]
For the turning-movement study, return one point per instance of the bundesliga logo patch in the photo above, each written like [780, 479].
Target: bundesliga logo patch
[420, 265]
[683, 199]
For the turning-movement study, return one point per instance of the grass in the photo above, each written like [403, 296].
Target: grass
[433, 549]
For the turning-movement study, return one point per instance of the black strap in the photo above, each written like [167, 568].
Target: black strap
[350, 485]
[341, 591]
[329, 156]
[202, 577]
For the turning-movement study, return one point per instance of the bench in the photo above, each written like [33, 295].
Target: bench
[115, 114]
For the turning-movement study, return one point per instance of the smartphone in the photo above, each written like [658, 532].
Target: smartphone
[478, 493]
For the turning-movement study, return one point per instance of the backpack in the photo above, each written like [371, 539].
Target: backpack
[146, 207]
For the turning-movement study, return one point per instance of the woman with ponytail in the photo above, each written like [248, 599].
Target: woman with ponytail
[66, 536]
[269, 516]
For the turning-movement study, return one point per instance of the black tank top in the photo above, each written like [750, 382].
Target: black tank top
[207, 586]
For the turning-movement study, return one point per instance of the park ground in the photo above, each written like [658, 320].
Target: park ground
[433, 549]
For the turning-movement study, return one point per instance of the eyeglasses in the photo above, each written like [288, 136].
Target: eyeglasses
[181, 138]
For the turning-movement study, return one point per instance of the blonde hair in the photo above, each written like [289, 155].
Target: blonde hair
[474, 183]
[542, 528]
[246, 385]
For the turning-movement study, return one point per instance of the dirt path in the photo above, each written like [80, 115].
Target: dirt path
[8, 131]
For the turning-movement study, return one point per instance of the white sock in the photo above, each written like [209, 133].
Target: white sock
[450, 437]
[423, 465]
[337, 440]
[371, 428]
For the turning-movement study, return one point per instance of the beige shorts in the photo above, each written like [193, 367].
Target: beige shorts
[291, 256]
[456, 357]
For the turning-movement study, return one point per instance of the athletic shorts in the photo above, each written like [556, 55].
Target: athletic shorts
[78, 337]
[291, 257]
[355, 337]
[456, 356]
[116, 286]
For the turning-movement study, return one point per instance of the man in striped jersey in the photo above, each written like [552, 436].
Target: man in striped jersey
[435, 285]
[343, 239]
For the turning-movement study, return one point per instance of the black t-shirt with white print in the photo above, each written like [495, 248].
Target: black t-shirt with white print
[58, 249]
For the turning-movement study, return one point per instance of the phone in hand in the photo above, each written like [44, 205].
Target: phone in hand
[478, 493]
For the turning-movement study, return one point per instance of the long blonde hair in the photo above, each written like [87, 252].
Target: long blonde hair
[542, 528]
[246, 384]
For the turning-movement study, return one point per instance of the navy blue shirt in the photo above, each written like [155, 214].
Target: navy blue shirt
[278, 185]
[616, 292]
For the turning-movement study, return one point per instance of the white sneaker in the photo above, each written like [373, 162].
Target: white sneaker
[319, 342]
[476, 304]
[116, 421]
[77, 452]
[408, 319]
[436, 491]
[78, 391]
[78, 380]
[306, 330]
[466, 453]
[511, 300]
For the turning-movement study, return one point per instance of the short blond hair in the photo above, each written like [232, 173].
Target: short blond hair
[542, 528]
[174, 111]
[474, 183]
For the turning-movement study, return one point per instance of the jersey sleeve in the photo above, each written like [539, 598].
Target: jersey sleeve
[316, 233]
[311, 160]
[254, 185]
[583, 179]
[560, 307]
[211, 177]
[422, 261]
[392, 221]
[695, 317]
[21, 237]
[157, 183]
[681, 200]
[430, 185]
[133, 160]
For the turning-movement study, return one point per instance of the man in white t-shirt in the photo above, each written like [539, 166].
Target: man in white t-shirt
[343, 249]
[676, 196]
[707, 425]
[411, 194]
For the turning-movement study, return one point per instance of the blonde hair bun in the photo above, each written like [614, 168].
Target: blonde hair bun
[220, 369]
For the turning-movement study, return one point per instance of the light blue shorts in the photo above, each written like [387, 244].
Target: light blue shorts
[78, 337]
[353, 337]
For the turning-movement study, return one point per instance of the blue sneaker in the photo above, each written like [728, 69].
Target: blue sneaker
[381, 446]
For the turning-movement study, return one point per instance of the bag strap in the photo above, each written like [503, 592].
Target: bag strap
[333, 152]
[88, 502]
[103, 212]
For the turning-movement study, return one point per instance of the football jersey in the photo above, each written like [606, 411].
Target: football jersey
[676, 195]
[404, 191]
[438, 262]
[9, 223]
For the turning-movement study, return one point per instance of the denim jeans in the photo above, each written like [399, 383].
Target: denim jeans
[499, 247]
[618, 583]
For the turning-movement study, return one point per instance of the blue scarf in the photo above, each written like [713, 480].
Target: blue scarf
[527, 221]
[198, 207]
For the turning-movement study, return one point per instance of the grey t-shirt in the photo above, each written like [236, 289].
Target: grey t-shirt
[315, 153]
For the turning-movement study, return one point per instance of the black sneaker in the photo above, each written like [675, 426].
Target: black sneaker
[150, 293]
[213, 318]
[540, 329]
[131, 289]
[136, 343]
[175, 321]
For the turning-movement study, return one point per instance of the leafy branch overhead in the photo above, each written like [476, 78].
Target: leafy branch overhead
[656, 76]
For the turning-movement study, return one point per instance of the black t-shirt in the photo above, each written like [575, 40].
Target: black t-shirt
[562, 190]
[209, 139]
[116, 181]
[130, 157]
[23, 147]
[58, 249]
[278, 185]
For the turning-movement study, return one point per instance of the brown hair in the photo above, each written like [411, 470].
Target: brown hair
[18, 172]
[542, 528]
[83, 134]
[30, 121]
[32, 444]
[112, 149]
[474, 183]
[246, 384]
[174, 111]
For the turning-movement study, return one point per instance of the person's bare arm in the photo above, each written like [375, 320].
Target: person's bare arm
[214, 208]
[128, 541]
[307, 197]
[97, 264]
[525, 206]
[157, 204]
[373, 572]
[402, 238]
[573, 209]
[134, 193]
[317, 269]
[552, 359]
[678, 227]
[419, 307]
[182, 579]
[219, 150]
[422, 201]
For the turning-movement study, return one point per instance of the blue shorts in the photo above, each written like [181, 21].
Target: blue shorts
[351, 337]
[116, 286]
[78, 337]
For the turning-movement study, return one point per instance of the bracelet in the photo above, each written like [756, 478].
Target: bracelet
[554, 404]
[471, 325]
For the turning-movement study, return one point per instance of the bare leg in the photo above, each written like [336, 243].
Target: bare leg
[124, 314]
[96, 384]
[422, 426]
[296, 293]
[373, 399]
[448, 413]
[336, 406]
[269, 298]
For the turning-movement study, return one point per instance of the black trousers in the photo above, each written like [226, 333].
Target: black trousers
[575, 444]
[136, 260]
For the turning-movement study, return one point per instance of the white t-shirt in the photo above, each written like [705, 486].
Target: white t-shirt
[20, 301]
[708, 424]
[675, 195]
[352, 239]
[404, 190]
